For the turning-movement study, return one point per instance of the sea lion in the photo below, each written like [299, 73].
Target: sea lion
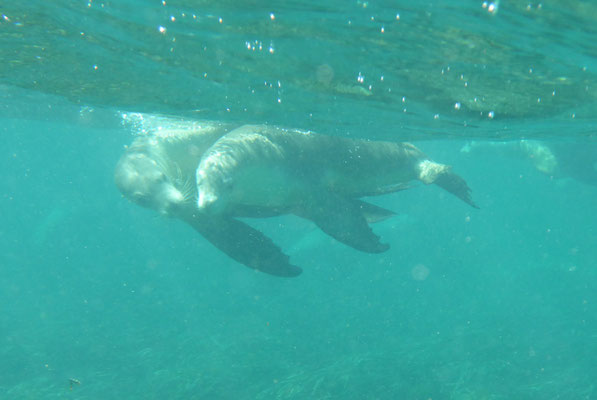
[210, 176]
[539, 153]
[554, 158]
[314, 176]
[157, 171]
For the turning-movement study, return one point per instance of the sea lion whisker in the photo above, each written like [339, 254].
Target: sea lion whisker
[188, 190]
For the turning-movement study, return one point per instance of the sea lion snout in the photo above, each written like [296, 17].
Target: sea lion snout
[205, 199]
[210, 201]
[142, 180]
[213, 188]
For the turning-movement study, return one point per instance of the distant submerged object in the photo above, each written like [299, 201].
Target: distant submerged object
[558, 159]
[208, 174]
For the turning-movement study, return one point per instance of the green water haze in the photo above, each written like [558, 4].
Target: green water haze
[102, 299]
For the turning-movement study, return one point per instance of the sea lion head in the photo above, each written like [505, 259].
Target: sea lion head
[146, 182]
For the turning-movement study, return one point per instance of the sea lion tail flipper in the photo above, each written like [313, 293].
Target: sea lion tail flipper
[456, 185]
[244, 244]
[345, 220]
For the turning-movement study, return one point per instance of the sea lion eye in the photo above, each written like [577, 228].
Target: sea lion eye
[157, 176]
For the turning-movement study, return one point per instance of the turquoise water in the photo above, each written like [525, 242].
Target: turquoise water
[382, 69]
[496, 303]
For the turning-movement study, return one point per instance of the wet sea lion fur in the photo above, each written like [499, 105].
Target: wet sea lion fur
[212, 174]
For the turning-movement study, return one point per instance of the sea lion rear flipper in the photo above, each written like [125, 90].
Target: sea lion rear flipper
[244, 244]
[373, 213]
[393, 188]
[456, 185]
[442, 175]
[345, 220]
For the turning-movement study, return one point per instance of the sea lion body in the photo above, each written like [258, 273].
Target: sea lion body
[209, 176]
[262, 166]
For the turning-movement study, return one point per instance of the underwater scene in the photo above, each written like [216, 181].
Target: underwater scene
[298, 200]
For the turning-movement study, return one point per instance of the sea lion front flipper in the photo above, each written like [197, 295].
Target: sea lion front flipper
[244, 244]
[344, 220]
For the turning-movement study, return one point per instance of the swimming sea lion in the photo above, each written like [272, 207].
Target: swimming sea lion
[157, 171]
[554, 158]
[313, 176]
[261, 171]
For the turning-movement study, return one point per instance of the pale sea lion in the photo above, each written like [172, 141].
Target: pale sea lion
[212, 174]
[157, 171]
